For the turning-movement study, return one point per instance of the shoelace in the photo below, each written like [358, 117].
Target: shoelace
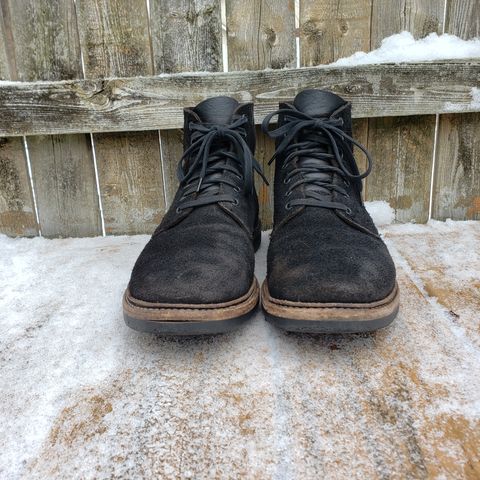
[321, 133]
[209, 155]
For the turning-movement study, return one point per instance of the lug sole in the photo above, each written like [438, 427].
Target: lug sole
[330, 317]
[189, 319]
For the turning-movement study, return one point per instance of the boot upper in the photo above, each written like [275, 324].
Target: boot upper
[324, 245]
[202, 252]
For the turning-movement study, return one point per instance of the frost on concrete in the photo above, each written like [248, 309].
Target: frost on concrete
[82, 396]
[402, 47]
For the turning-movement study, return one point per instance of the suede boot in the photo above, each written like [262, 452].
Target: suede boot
[328, 270]
[196, 274]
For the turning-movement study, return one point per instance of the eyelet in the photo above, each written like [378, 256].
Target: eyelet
[288, 193]
[287, 180]
[348, 211]
[178, 210]
[237, 189]
[346, 195]
[236, 203]
[240, 177]
[288, 206]
[346, 183]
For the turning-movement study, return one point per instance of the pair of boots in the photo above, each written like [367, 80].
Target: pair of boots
[328, 270]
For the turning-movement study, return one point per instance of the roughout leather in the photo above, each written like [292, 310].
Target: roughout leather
[323, 255]
[203, 254]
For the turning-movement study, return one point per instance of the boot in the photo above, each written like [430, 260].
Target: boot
[196, 274]
[328, 270]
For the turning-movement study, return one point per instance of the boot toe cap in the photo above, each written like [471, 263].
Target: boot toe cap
[334, 274]
[193, 270]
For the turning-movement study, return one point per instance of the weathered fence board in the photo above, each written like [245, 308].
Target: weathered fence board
[331, 29]
[67, 199]
[261, 34]
[116, 42]
[156, 102]
[46, 47]
[186, 36]
[403, 150]
[403, 147]
[420, 17]
[456, 192]
[17, 216]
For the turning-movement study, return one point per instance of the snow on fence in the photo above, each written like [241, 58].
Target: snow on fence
[92, 93]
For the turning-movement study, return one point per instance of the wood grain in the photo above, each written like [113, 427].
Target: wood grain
[17, 216]
[129, 165]
[186, 36]
[403, 148]
[419, 17]
[456, 191]
[403, 152]
[63, 172]
[261, 34]
[331, 29]
[157, 102]
[44, 41]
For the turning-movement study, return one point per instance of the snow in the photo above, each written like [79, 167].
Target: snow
[381, 212]
[402, 47]
[82, 396]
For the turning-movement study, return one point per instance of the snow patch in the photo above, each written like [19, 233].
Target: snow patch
[381, 212]
[402, 47]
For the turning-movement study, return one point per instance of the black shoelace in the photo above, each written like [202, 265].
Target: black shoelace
[321, 136]
[214, 151]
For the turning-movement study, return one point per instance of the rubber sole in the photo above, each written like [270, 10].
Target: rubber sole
[187, 319]
[330, 317]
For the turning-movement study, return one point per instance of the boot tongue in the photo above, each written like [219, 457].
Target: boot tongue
[317, 103]
[217, 110]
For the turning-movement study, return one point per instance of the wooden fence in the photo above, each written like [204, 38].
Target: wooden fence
[90, 132]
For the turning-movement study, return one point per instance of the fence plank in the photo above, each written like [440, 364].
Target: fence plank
[17, 215]
[456, 192]
[420, 17]
[403, 148]
[331, 29]
[186, 37]
[261, 34]
[63, 169]
[156, 102]
[116, 42]
[45, 47]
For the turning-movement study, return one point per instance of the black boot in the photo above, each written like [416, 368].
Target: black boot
[328, 269]
[196, 274]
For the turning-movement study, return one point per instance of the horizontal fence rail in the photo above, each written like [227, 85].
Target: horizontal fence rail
[147, 103]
